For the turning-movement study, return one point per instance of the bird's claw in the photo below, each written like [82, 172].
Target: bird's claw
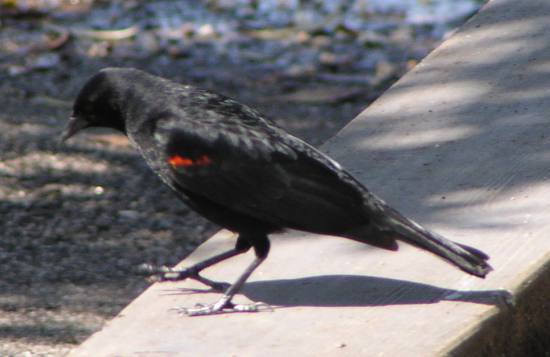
[222, 307]
[164, 273]
[177, 274]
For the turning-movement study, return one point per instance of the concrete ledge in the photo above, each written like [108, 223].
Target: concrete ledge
[460, 144]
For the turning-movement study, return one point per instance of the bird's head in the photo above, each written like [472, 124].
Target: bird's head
[98, 103]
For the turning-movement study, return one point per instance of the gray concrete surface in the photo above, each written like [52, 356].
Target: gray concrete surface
[460, 144]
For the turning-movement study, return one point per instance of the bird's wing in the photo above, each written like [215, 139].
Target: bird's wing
[261, 172]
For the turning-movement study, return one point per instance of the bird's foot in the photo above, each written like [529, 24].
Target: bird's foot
[179, 274]
[165, 273]
[224, 305]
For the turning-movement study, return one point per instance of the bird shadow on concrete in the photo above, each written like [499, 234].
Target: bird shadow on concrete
[355, 290]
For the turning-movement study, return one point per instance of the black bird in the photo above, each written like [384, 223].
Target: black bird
[239, 170]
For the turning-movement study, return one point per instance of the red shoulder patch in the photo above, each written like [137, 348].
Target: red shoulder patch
[182, 161]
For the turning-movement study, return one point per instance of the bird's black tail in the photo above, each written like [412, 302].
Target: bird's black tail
[468, 259]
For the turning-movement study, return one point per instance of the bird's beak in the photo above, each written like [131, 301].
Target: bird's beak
[73, 126]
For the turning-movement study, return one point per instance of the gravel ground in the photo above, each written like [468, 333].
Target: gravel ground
[78, 219]
[76, 222]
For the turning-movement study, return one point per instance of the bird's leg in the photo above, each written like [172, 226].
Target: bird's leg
[193, 272]
[224, 304]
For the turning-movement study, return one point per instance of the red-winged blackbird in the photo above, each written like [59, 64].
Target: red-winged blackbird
[238, 169]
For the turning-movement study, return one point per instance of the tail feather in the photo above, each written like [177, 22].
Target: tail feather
[373, 236]
[468, 259]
